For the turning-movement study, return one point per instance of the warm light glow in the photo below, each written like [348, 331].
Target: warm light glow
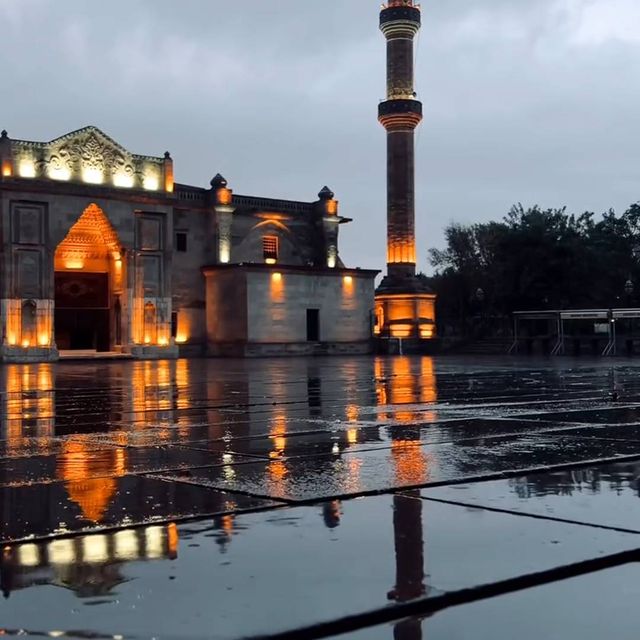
[11, 339]
[163, 342]
[225, 252]
[123, 180]
[401, 330]
[270, 260]
[43, 340]
[6, 170]
[26, 343]
[59, 174]
[74, 263]
[331, 261]
[332, 207]
[224, 196]
[126, 544]
[154, 542]
[92, 175]
[352, 436]
[173, 537]
[276, 277]
[147, 340]
[27, 169]
[29, 555]
[347, 279]
[95, 549]
[61, 552]
[181, 338]
[150, 183]
[426, 331]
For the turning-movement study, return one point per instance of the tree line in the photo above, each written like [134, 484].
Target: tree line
[536, 259]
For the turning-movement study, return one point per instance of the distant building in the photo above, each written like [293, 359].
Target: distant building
[103, 252]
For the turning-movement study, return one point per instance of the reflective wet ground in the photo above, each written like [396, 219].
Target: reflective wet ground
[396, 498]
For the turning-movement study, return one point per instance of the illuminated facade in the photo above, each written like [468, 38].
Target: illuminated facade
[405, 307]
[103, 252]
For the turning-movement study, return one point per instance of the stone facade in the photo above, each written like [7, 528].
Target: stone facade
[102, 251]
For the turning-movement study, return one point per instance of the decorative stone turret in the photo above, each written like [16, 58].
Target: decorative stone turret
[222, 202]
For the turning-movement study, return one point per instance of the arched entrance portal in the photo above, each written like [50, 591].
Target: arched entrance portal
[88, 285]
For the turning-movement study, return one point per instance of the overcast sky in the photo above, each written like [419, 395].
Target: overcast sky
[532, 101]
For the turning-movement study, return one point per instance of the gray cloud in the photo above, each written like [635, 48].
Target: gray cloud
[524, 101]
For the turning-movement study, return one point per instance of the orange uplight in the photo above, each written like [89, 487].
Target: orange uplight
[332, 207]
[426, 331]
[181, 338]
[348, 280]
[26, 343]
[401, 330]
[147, 340]
[74, 263]
[6, 171]
[224, 196]
[43, 339]
[270, 260]
[11, 339]
[163, 342]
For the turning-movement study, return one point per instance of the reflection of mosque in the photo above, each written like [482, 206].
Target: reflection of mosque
[89, 565]
[164, 402]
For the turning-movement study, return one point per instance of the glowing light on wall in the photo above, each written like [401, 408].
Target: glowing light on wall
[29, 555]
[401, 330]
[270, 260]
[59, 174]
[181, 338]
[6, 170]
[43, 340]
[224, 196]
[27, 169]
[74, 263]
[276, 277]
[426, 331]
[26, 343]
[163, 342]
[62, 552]
[95, 549]
[332, 207]
[150, 183]
[224, 251]
[123, 180]
[92, 175]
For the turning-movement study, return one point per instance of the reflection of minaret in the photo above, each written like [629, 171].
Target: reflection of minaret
[405, 307]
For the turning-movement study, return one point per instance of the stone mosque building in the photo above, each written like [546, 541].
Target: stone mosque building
[102, 252]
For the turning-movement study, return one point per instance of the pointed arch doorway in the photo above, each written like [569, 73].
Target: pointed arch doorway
[88, 285]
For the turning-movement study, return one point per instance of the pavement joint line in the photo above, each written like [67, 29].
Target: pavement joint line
[535, 516]
[141, 525]
[499, 475]
[428, 606]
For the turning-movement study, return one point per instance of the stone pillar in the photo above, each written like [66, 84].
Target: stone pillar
[223, 206]
[328, 206]
[7, 169]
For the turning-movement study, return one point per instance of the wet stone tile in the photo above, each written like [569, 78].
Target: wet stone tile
[606, 495]
[78, 461]
[612, 416]
[84, 504]
[229, 576]
[405, 463]
[591, 607]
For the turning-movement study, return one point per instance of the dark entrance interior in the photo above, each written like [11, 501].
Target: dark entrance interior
[82, 310]
[313, 325]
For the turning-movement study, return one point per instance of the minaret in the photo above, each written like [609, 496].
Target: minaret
[405, 307]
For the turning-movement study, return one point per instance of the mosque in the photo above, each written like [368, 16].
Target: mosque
[105, 254]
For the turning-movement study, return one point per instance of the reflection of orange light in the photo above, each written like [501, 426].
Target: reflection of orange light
[410, 460]
[90, 475]
[352, 412]
[352, 436]
[277, 469]
[172, 534]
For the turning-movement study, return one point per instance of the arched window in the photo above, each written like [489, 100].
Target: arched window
[29, 324]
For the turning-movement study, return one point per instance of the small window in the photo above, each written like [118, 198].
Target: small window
[181, 241]
[270, 249]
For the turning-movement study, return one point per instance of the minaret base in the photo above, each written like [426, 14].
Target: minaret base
[405, 309]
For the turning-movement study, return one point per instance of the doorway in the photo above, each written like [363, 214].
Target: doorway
[313, 325]
[88, 279]
[82, 311]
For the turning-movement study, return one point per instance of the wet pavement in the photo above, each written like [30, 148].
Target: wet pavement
[402, 497]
